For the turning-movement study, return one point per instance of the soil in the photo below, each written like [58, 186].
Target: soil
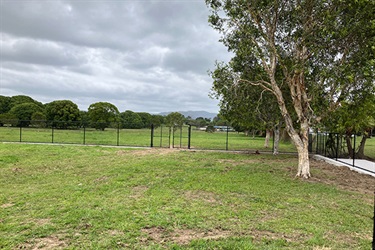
[341, 177]
[179, 236]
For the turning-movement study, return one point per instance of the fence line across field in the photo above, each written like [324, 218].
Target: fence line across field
[225, 138]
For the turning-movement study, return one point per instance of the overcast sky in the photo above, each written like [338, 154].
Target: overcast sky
[145, 56]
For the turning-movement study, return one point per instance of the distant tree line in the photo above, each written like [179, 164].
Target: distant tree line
[24, 111]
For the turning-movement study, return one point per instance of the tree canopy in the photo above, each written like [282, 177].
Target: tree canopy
[102, 114]
[130, 120]
[323, 49]
[63, 112]
[24, 112]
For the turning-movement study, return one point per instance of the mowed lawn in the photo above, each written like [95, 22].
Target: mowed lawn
[91, 197]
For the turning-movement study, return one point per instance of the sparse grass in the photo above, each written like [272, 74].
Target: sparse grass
[76, 197]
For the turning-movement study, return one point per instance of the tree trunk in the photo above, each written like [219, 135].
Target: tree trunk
[361, 150]
[303, 161]
[276, 140]
[349, 145]
[267, 140]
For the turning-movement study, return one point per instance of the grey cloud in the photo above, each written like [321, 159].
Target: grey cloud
[38, 51]
[139, 55]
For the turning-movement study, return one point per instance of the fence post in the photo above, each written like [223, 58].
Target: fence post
[20, 132]
[181, 136]
[226, 147]
[354, 149]
[152, 135]
[118, 134]
[324, 144]
[161, 135]
[189, 136]
[52, 133]
[84, 134]
[172, 131]
[337, 146]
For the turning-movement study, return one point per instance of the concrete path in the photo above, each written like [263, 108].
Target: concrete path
[361, 166]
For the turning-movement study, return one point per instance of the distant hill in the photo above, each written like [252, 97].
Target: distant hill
[193, 114]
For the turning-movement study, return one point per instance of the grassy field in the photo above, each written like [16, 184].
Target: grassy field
[91, 197]
[140, 137]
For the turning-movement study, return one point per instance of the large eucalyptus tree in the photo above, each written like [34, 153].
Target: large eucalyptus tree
[320, 46]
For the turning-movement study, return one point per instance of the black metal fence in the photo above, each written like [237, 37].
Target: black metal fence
[154, 136]
[334, 146]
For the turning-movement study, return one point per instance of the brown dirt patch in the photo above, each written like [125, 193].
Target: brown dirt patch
[342, 177]
[260, 235]
[42, 222]
[102, 179]
[115, 232]
[180, 236]
[138, 191]
[201, 195]
[47, 243]
[6, 205]
[141, 152]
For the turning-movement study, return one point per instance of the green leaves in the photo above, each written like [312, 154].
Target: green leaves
[102, 114]
[64, 112]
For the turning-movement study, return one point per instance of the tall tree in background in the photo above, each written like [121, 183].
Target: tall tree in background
[4, 104]
[130, 120]
[24, 112]
[63, 113]
[19, 99]
[146, 119]
[320, 46]
[102, 114]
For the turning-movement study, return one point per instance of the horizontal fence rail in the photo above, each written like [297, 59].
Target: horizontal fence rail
[185, 137]
[334, 146]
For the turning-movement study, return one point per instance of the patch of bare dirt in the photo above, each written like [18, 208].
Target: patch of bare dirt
[342, 177]
[202, 195]
[47, 243]
[16, 170]
[141, 152]
[42, 222]
[6, 205]
[138, 191]
[115, 232]
[180, 236]
[260, 235]
[102, 179]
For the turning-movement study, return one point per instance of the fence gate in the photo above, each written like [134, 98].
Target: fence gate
[171, 137]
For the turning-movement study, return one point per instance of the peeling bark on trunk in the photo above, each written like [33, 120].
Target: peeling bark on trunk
[300, 103]
[267, 139]
[303, 153]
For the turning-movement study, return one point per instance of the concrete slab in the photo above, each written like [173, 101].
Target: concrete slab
[361, 166]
